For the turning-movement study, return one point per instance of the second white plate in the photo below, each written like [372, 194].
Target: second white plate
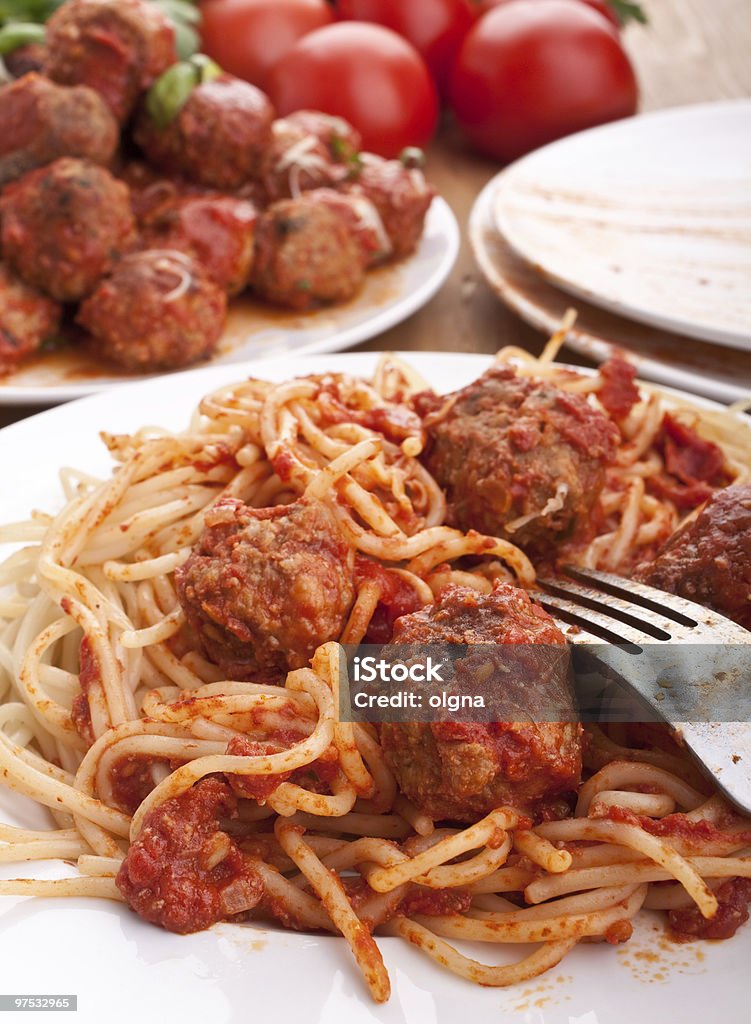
[649, 217]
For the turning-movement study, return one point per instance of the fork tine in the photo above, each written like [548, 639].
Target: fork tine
[599, 625]
[655, 628]
[670, 607]
[693, 622]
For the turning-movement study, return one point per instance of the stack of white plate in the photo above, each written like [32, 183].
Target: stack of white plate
[645, 227]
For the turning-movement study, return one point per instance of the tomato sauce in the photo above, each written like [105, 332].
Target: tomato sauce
[696, 834]
[89, 674]
[183, 872]
[397, 598]
[618, 393]
[254, 787]
[733, 897]
[694, 467]
[132, 781]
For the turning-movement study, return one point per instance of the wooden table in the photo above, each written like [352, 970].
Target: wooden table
[691, 51]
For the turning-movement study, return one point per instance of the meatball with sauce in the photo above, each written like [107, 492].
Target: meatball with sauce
[341, 139]
[363, 220]
[518, 458]
[156, 311]
[307, 254]
[218, 137]
[217, 231]
[308, 150]
[460, 770]
[708, 560]
[41, 121]
[64, 226]
[264, 587]
[27, 319]
[400, 194]
[116, 47]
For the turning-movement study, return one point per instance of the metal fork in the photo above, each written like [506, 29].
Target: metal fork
[690, 666]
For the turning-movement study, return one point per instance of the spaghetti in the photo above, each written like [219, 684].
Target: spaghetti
[115, 724]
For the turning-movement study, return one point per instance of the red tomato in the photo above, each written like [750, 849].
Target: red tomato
[247, 37]
[366, 74]
[530, 72]
[597, 5]
[434, 27]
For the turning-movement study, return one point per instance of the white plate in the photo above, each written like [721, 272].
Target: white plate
[719, 373]
[649, 217]
[124, 970]
[258, 331]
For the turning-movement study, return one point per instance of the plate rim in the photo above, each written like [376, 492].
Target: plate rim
[592, 346]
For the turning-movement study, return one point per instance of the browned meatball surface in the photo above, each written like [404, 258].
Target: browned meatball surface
[157, 311]
[64, 226]
[341, 139]
[27, 318]
[461, 771]
[362, 219]
[307, 150]
[218, 137]
[518, 458]
[264, 587]
[41, 121]
[217, 231]
[116, 47]
[306, 254]
[401, 195]
[709, 559]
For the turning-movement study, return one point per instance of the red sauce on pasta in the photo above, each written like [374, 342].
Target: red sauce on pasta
[698, 834]
[171, 875]
[733, 897]
[89, 674]
[397, 598]
[694, 467]
[254, 787]
[618, 393]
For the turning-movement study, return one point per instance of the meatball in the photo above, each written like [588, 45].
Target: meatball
[65, 225]
[341, 139]
[306, 254]
[218, 137]
[401, 195]
[157, 311]
[41, 121]
[362, 219]
[708, 560]
[461, 771]
[518, 458]
[217, 231]
[264, 587]
[27, 318]
[150, 189]
[117, 47]
[307, 150]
